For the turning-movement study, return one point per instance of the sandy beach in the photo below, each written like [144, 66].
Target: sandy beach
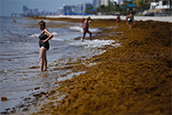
[132, 76]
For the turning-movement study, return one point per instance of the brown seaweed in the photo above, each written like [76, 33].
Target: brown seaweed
[132, 79]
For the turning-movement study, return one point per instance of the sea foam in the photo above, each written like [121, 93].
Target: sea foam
[79, 28]
[93, 43]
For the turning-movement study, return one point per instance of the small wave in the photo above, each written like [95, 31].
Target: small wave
[55, 33]
[37, 35]
[9, 93]
[76, 28]
[57, 39]
[81, 29]
[34, 35]
[94, 29]
[47, 21]
[93, 43]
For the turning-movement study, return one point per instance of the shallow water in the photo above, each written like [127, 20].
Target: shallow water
[19, 52]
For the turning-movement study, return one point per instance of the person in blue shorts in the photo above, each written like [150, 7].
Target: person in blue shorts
[86, 28]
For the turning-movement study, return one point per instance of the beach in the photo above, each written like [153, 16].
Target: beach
[19, 58]
[130, 74]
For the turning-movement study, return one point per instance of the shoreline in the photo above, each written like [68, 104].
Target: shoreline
[29, 109]
[137, 18]
[132, 79]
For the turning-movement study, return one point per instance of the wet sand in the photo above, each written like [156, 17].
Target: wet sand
[134, 78]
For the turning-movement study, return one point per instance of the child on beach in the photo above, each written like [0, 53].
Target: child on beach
[44, 45]
[118, 20]
[86, 28]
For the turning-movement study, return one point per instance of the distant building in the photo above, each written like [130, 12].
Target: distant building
[59, 11]
[69, 8]
[42, 12]
[80, 8]
[35, 9]
[34, 12]
[96, 3]
[105, 2]
[25, 8]
[49, 13]
[120, 2]
[29, 12]
[163, 4]
[86, 5]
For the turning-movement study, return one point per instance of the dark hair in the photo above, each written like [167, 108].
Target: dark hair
[89, 18]
[42, 23]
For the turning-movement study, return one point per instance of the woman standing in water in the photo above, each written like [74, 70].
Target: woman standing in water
[43, 44]
[86, 28]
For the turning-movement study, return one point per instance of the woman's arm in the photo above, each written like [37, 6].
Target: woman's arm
[50, 35]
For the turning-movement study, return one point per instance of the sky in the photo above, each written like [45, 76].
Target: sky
[16, 6]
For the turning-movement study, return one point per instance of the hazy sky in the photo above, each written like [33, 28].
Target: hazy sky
[16, 6]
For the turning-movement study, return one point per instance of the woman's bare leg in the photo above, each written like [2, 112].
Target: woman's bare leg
[117, 24]
[129, 25]
[45, 60]
[84, 32]
[90, 35]
[126, 23]
[42, 58]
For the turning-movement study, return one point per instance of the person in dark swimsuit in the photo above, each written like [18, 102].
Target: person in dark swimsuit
[86, 28]
[43, 44]
[43, 36]
[129, 20]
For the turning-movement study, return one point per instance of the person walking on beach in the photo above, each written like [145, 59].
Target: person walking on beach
[129, 20]
[44, 37]
[86, 28]
[118, 20]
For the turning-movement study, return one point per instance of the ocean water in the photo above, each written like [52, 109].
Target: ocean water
[19, 56]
